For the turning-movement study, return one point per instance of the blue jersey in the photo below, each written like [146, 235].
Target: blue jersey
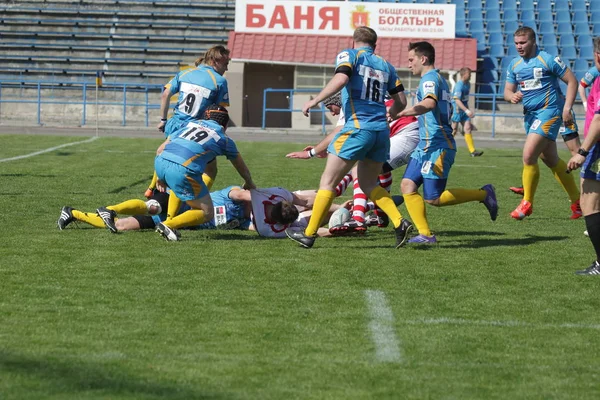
[198, 88]
[537, 78]
[435, 131]
[461, 92]
[363, 98]
[228, 214]
[197, 144]
[589, 77]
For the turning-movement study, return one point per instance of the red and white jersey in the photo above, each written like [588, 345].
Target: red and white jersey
[261, 200]
[398, 125]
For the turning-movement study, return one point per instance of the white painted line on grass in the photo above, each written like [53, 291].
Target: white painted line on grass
[460, 321]
[48, 150]
[387, 348]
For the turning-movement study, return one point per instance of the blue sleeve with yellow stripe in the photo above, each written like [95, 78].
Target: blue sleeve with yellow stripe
[173, 85]
[556, 65]
[510, 72]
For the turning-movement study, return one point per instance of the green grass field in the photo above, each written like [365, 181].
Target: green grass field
[493, 312]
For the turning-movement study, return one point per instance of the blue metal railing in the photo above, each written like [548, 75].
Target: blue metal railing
[290, 107]
[84, 101]
[492, 99]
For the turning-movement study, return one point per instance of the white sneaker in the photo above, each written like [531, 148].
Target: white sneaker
[169, 234]
[586, 233]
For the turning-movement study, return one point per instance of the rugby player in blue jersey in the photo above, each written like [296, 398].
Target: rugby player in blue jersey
[532, 78]
[431, 161]
[461, 114]
[181, 161]
[363, 78]
[198, 88]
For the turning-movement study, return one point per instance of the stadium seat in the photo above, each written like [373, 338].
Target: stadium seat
[561, 6]
[497, 50]
[545, 16]
[586, 52]
[595, 15]
[510, 26]
[511, 51]
[496, 38]
[546, 28]
[526, 5]
[580, 17]
[474, 5]
[584, 40]
[580, 67]
[552, 50]
[510, 14]
[494, 26]
[564, 16]
[492, 9]
[505, 63]
[568, 53]
[509, 5]
[440, 1]
[489, 63]
[544, 5]
[549, 40]
[566, 40]
[581, 29]
[528, 15]
[578, 5]
[596, 29]
[423, 2]
[476, 29]
[564, 28]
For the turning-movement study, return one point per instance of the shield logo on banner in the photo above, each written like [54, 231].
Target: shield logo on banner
[359, 17]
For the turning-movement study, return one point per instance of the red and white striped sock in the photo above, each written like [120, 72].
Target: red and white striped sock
[385, 181]
[343, 185]
[360, 203]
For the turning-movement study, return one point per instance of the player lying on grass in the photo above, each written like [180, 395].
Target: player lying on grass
[404, 137]
[268, 211]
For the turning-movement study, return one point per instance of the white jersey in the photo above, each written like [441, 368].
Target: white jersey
[261, 199]
[341, 119]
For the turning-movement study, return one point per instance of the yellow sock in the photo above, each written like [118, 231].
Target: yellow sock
[208, 181]
[566, 180]
[416, 209]
[458, 196]
[531, 177]
[152, 184]
[173, 206]
[188, 218]
[130, 207]
[470, 144]
[321, 206]
[89, 218]
[382, 198]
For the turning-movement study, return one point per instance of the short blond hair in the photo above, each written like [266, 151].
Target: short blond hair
[364, 34]
[525, 31]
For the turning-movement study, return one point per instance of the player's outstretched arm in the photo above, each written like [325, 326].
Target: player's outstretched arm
[399, 104]
[592, 138]
[320, 150]
[425, 105]
[165, 100]
[336, 84]
[242, 169]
